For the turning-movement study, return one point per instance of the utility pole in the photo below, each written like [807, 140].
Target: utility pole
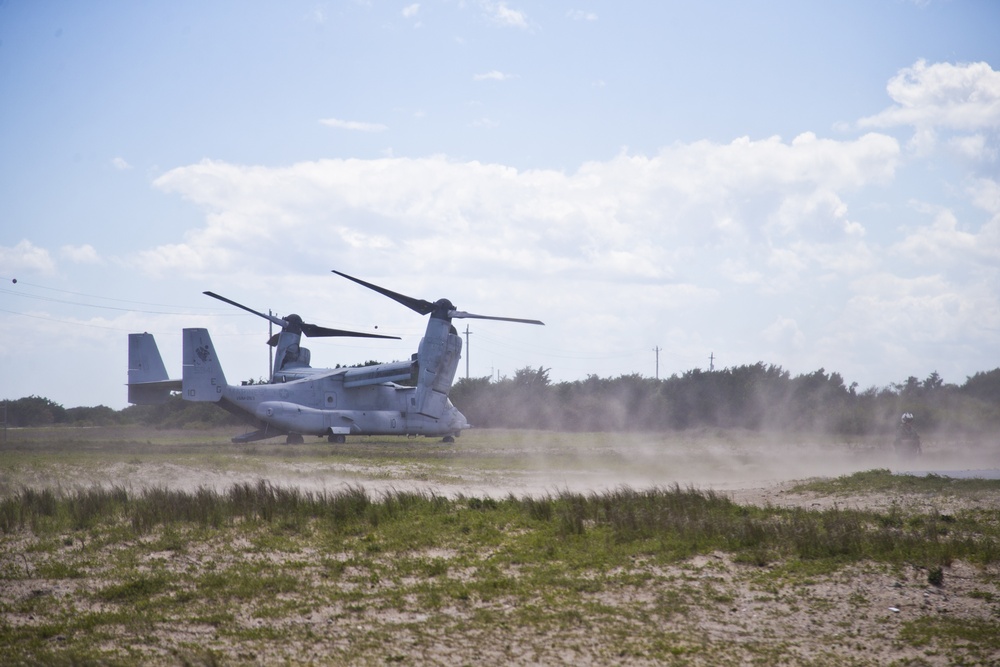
[270, 350]
[711, 362]
[657, 350]
[467, 333]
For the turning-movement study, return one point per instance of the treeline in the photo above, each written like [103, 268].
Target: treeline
[175, 413]
[757, 397]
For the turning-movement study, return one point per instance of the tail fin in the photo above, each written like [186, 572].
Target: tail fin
[437, 359]
[203, 377]
[148, 382]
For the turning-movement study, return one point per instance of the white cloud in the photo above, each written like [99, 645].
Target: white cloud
[84, 254]
[985, 194]
[784, 331]
[26, 256]
[121, 164]
[958, 96]
[740, 272]
[411, 10]
[773, 208]
[928, 308]
[944, 243]
[317, 15]
[974, 148]
[194, 259]
[493, 75]
[941, 97]
[484, 122]
[581, 15]
[821, 208]
[502, 15]
[353, 125]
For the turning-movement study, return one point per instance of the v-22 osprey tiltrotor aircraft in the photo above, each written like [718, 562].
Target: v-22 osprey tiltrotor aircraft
[300, 400]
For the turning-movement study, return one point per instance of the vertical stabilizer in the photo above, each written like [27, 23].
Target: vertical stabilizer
[203, 379]
[148, 382]
[437, 360]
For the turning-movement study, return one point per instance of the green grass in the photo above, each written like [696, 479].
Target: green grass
[884, 481]
[157, 559]
[256, 572]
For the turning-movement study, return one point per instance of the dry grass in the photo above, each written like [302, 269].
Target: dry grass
[259, 568]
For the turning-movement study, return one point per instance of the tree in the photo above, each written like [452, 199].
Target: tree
[933, 382]
[100, 415]
[34, 411]
[985, 386]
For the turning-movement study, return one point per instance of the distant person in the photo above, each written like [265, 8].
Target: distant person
[907, 439]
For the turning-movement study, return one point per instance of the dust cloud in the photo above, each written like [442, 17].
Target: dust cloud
[501, 463]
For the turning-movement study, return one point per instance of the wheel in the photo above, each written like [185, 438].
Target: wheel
[294, 439]
[448, 439]
[338, 438]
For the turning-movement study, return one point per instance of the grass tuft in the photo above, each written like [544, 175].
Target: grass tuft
[255, 562]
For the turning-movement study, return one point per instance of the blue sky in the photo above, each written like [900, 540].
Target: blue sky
[809, 184]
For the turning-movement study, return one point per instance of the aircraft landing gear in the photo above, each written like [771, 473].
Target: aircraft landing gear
[337, 438]
[448, 440]
[294, 439]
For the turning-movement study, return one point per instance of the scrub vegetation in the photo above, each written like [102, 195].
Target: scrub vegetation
[258, 572]
[757, 397]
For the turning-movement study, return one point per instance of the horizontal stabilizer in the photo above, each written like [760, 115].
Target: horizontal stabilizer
[148, 382]
[152, 393]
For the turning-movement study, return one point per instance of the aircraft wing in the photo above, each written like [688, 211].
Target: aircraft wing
[366, 375]
[361, 376]
[311, 374]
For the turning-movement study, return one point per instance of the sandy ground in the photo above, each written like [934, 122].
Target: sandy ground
[749, 467]
[857, 616]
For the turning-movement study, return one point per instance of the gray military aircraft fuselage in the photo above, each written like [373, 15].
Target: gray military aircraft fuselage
[301, 400]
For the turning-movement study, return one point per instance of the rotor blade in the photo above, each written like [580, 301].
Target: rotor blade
[276, 320]
[311, 330]
[314, 331]
[419, 305]
[462, 314]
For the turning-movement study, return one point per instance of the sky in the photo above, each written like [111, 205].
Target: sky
[668, 185]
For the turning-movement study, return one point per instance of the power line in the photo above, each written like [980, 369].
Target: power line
[78, 323]
[18, 292]
[92, 305]
[52, 319]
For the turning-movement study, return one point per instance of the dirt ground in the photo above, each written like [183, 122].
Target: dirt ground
[749, 467]
[857, 616]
